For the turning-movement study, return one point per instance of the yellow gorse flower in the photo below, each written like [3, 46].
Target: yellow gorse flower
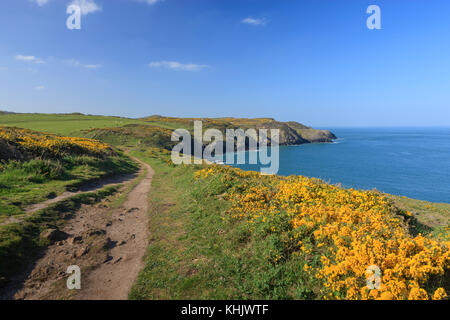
[349, 229]
[50, 145]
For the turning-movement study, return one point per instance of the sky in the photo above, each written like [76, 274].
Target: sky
[312, 61]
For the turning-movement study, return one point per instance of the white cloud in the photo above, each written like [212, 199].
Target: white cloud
[39, 88]
[255, 21]
[32, 59]
[72, 62]
[40, 3]
[173, 65]
[86, 6]
[76, 63]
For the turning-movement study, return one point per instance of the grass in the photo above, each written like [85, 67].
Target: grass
[197, 252]
[64, 124]
[430, 218]
[183, 242]
[35, 167]
[34, 181]
[134, 135]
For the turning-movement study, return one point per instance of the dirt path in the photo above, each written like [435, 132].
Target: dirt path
[108, 245]
[128, 239]
[85, 188]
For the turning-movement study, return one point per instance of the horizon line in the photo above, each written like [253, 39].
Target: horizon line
[321, 126]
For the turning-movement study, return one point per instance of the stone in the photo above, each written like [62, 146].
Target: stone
[73, 240]
[54, 235]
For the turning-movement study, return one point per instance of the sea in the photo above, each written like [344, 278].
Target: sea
[411, 162]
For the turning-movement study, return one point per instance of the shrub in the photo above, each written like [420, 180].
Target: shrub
[328, 236]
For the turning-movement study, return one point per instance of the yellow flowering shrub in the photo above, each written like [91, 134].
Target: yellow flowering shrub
[339, 233]
[38, 144]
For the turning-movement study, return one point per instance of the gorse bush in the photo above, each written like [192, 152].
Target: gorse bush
[25, 144]
[315, 240]
[36, 166]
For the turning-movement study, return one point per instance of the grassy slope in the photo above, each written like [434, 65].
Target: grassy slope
[432, 218]
[36, 178]
[189, 236]
[290, 132]
[426, 213]
[64, 124]
[42, 166]
[35, 181]
[195, 252]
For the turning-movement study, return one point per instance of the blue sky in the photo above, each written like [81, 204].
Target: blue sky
[312, 61]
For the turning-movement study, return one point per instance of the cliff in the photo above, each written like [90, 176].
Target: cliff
[291, 133]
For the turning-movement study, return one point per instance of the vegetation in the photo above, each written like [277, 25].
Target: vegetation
[37, 166]
[24, 144]
[291, 133]
[219, 232]
[21, 242]
[335, 234]
[226, 233]
[75, 124]
[428, 217]
[134, 135]
[64, 124]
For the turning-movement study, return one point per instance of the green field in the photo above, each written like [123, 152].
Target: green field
[64, 124]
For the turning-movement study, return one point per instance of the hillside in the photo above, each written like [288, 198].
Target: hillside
[64, 124]
[216, 232]
[291, 133]
[224, 233]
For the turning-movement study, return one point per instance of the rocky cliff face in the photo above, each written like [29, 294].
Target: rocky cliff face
[310, 134]
[294, 133]
[291, 133]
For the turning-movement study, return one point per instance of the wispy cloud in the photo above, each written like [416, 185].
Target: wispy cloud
[40, 3]
[31, 59]
[3, 68]
[173, 65]
[150, 2]
[39, 88]
[255, 21]
[76, 63]
[86, 6]
[92, 66]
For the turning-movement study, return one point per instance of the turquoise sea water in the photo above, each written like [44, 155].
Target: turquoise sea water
[412, 162]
